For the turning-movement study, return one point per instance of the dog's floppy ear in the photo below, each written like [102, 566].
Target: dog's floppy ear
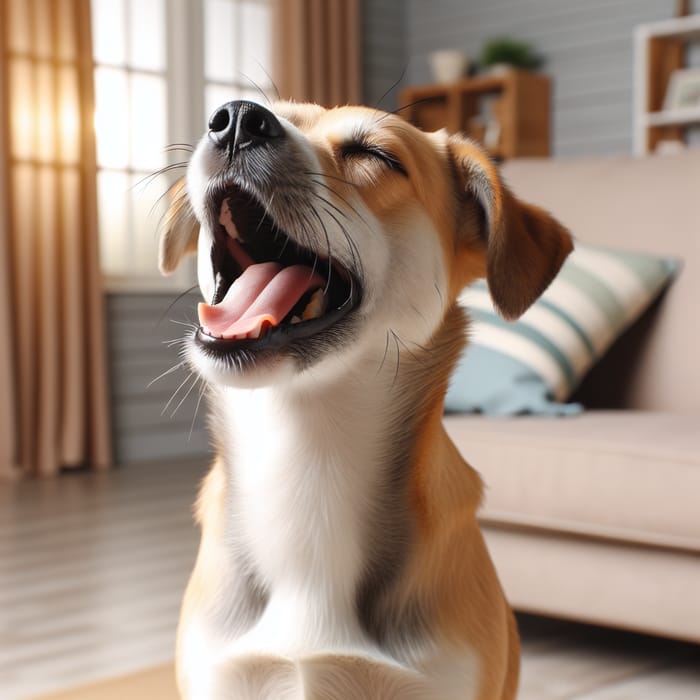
[525, 246]
[180, 231]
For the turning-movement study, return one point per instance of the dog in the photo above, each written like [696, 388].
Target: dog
[340, 555]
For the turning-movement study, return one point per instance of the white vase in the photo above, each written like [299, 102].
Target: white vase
[448, 65]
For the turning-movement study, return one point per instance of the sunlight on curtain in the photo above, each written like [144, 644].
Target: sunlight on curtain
[52, 361]
[317, 50]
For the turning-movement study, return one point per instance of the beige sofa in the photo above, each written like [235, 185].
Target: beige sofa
[597, 517]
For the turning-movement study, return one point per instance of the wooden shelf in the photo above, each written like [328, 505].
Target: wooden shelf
[673, 117]
[520, 104]
[660, 50]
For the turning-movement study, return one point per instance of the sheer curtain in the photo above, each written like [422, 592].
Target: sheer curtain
[53, 380]
[317, 45]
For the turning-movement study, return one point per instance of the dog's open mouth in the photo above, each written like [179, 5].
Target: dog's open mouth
[269, 290]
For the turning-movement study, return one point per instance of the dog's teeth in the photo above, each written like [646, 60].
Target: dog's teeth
[295, 320]
[315, 307]
[226, 220]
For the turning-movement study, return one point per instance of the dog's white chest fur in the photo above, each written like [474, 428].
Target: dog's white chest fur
[300, 489]
[300, 504]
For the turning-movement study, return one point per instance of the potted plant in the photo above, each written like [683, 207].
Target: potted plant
[502, 53]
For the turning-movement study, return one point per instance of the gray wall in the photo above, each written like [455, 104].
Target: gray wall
[588, 49]
[139, 352]
[384, 25]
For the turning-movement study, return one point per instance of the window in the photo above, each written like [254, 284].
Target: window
[161, 67]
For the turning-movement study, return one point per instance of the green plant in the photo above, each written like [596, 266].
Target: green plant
[511, 51]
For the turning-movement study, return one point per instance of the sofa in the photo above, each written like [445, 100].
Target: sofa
[596, 517]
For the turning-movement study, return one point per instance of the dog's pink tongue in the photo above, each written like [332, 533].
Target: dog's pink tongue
[263, 295]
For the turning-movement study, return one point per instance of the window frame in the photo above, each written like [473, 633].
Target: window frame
[185, 85]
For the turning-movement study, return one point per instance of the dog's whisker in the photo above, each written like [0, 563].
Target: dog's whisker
[422, 317]
[439, 293]
[268, 204]
[284, 246]
[174, 368]
[257, 87]
[328, 248]
[164, 170]
[384, 356]
[394, 85]
[174, 341]
[196, 408]
[187, 393]
[165, 194]
[344, 200]
[175, 393]
[172, 303]
[408, 350]
[398, 360]
[403, 107]
[330, 176]
[352, 246]
[333, 206]
[269, 77]
[179, 147]
[186, 324]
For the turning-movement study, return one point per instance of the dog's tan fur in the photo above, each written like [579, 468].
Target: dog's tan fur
[448, 567]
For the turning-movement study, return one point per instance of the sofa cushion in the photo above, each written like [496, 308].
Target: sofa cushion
[534, 363]
[641, 204]
[633, 476]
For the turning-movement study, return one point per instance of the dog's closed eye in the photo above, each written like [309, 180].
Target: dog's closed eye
[363, 149]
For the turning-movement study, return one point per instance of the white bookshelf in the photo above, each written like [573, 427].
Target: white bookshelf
[659, 51]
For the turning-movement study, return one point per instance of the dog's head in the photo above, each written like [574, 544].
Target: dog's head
[320, 232]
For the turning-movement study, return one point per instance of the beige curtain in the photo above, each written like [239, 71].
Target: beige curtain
[53, 386]
[317, 45]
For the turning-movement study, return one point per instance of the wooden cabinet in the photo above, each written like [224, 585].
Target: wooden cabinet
[660, 50]
[519, 102]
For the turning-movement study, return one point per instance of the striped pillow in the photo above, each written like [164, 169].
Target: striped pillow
[533, 364]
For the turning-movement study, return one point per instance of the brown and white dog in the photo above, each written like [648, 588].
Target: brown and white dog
[340, 554]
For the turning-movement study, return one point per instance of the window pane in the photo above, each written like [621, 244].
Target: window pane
[147, 34]
[113, 212]
[256, 59]
[147, 209]
[149, 127]
[112, 118]
[220, 40]
[108, 31]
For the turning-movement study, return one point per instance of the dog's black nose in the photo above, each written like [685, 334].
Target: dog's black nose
[241, 124]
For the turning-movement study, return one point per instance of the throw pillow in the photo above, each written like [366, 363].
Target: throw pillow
[534, 364]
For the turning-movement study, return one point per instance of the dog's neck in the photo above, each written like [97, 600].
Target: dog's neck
[319, 502]
[303, 463]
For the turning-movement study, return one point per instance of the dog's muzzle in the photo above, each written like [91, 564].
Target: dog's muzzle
[270, 290]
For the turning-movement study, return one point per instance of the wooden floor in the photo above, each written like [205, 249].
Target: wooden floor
[92, 569]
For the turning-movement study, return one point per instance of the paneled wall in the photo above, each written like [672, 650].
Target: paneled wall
[140, 330]
[588, 49]
[384, 32]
